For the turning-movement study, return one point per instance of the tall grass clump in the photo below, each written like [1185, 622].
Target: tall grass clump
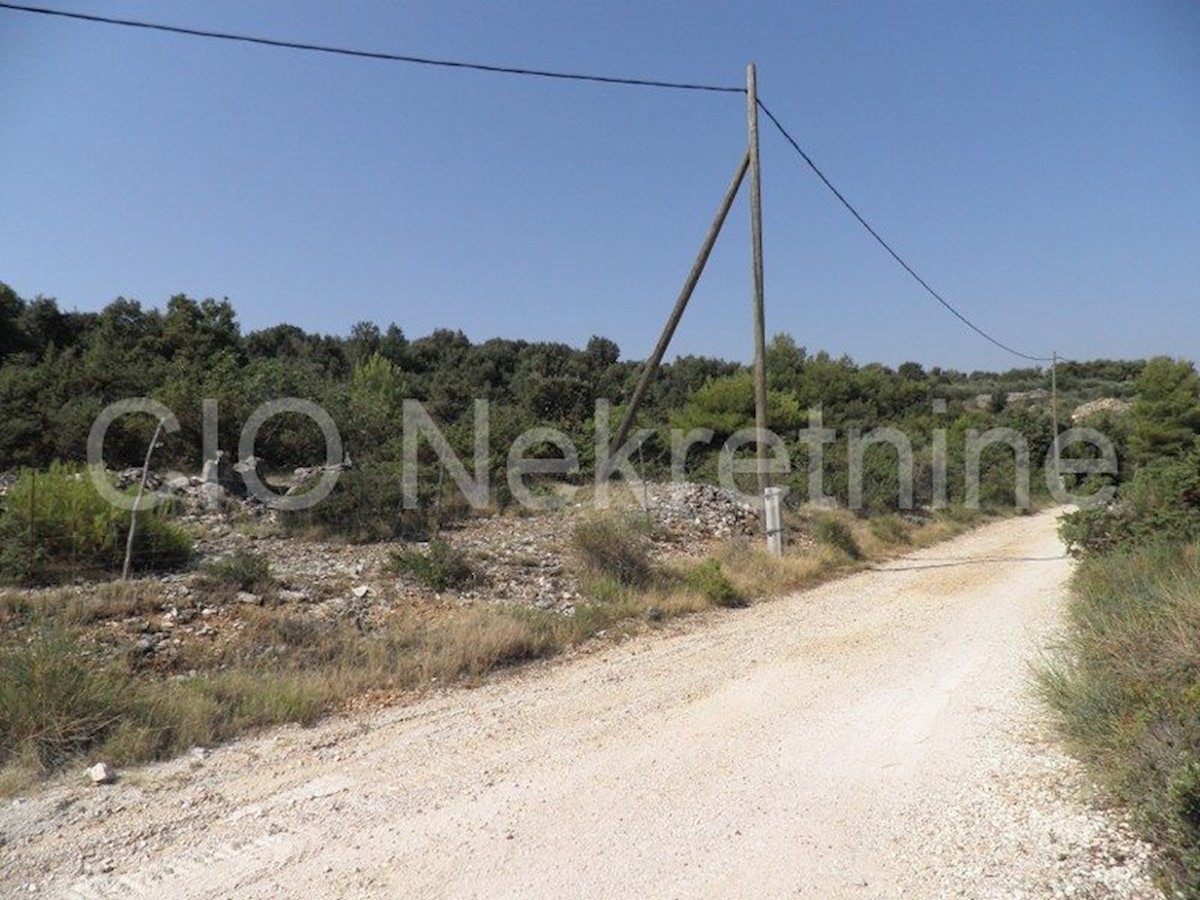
[833, 531]
[709, 580]
[889, 529]
[55, 700]
[441, 567]
[1125, 683]
[55, 525]
[615, 547]
[242, 569]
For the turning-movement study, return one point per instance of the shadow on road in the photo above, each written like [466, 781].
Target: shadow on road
[951, 562]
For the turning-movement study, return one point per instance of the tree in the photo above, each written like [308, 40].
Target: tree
[376, 399]
[44, 325]
[364, 342]
[726, 405]
[601, 353]
[1166, 411]
[784, 362]
[199, 331]
[12, 339]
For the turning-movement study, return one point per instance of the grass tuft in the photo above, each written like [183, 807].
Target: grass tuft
[710, 581]
[832, 530]
[55, 701]
[243, 570]
[441, 567]
[616, 547]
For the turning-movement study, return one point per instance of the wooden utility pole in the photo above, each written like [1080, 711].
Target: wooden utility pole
[1054, 413]
[760, 339]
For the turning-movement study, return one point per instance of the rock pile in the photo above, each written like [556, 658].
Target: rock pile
[1104, 404]
[701, 510]
[1037, 395]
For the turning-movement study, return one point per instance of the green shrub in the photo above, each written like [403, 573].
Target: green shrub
[244, 570]
[708, 580]
[441, 567]
[366, 504]
[604, 589]
[616, 547]
[834, 532]
[74, 531]
[1160, 504]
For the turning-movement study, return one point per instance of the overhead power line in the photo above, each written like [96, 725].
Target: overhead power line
[534, 73]
[371, 54]
[888, 247]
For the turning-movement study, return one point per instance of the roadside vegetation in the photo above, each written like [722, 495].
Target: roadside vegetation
[1125, 681]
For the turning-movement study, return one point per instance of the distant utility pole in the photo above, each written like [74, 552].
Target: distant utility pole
[760, 339]
[1054, 413]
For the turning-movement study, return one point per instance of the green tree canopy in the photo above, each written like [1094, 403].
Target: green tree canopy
[1166, 411]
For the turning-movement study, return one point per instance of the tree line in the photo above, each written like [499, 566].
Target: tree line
[59, 368]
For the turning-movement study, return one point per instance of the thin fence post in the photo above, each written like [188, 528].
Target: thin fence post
[32, 527]
[645, 487]
[137, 500]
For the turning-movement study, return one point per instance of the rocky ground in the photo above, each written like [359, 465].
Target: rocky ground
[519, 559]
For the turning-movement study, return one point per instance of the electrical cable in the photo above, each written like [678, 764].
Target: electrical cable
[370, 54]
[888, 247]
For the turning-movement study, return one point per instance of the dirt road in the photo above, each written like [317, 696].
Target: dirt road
[875, 737]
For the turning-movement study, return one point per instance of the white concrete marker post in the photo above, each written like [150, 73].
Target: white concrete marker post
[771, 499]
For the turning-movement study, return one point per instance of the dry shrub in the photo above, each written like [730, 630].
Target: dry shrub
[756, 573]
[614, 546]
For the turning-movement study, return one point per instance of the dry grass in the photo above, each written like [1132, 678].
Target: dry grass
[117, 600]
[614, 546]
[758, 574]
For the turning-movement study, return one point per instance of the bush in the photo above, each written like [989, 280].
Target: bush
[75, 531]
[1123, 683]
[1160, 504]
[244, 570]
[441, 567]
[616, 547]
[708, 580]
[366, 504]
[834, 532]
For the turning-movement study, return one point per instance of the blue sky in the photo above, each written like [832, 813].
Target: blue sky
[1038, 162]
